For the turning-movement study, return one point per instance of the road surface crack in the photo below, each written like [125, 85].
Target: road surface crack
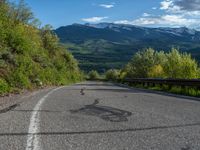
[9, 108]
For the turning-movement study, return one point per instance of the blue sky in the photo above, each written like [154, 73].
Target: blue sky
[150, 13]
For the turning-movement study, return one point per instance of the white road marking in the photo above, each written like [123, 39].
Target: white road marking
[33, 139]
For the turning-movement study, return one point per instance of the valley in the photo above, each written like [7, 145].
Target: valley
[106, 45]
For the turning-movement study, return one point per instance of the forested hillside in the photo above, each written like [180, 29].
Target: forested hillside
[107, 45]
[31, 56]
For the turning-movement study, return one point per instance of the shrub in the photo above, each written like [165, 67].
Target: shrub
[93, 75]
[152, 64]
[156, 71]
[20, 80]
[4, 87]
[113, 74]
[30, 56]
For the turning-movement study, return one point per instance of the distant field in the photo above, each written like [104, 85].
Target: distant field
[105, 46]
[105, 56]
[101, 58]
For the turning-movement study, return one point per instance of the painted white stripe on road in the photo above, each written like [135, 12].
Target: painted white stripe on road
[33, 142]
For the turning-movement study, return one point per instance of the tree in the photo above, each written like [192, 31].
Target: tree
[189, 67]
[31, 57]
[50, 40]
[152, 64]
[156, 71]
[180, 65]
[113, 74]
[93, 75]
[172, 67]
[141, 63]
[21, 13]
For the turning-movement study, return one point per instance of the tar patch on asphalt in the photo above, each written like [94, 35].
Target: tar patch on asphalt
[82, 91]
[105, 113]
[9, 108]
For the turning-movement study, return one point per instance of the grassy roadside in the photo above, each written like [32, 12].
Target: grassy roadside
[187, 91]
[11, 91]
[31, 56]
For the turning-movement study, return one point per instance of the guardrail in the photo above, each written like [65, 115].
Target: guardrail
[171, 82]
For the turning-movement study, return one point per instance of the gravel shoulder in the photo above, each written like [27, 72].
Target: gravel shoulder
[12, 100]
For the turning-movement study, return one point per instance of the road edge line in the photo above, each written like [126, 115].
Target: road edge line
[33, 139]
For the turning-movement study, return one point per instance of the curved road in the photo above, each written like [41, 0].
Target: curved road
[100, 116]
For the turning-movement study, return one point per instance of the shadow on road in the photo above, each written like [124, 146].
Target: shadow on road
[114, 90]
[43, 111]
[126, 89]
[102, 131]
[95, 84]
[10, 108]
[104, 112]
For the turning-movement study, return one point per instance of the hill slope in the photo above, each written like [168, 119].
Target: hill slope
[30, 57]
[107, 45]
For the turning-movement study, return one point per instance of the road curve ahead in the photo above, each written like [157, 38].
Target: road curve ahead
[100, 116]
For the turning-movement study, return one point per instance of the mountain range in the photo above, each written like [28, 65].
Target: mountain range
[107, 45]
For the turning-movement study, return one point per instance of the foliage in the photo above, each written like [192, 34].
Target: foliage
[112, 74]
[152, 64]
[190, 91]
[31, 57]
[93, 75]
[156, 72]
[4, 87]
[142, 63]
[180, 65]
[50, 40]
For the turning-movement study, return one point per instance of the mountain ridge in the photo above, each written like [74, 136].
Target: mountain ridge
[120, 40]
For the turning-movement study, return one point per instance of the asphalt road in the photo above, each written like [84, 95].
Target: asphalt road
[100, 116]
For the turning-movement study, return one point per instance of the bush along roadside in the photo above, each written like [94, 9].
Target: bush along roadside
[153, 64]
[188, 91]
[31, 56]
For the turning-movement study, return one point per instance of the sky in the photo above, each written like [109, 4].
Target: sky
[149, 13]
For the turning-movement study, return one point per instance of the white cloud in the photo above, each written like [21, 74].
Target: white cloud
[146, 15]
[169, 6]
[180, 13]
[178, 20]
[94, 19]
[124, 22]
[107, 5]
[140, 21]
[176, 13]
[166, 4]
[154, 8]
[187, 7]
[193, 13]
[164, 20]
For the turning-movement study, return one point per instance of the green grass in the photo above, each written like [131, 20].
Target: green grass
[188, 91]
[31, 57]
[100, 56]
